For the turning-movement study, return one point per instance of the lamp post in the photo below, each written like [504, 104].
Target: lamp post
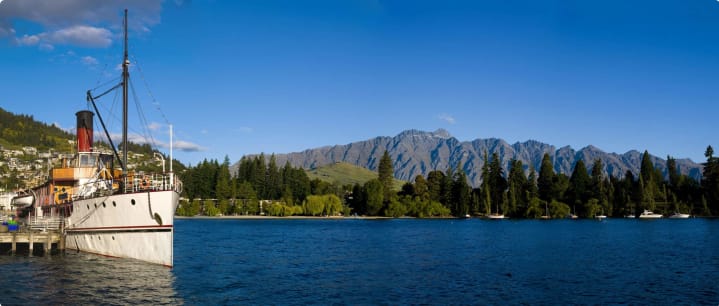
[162, 158]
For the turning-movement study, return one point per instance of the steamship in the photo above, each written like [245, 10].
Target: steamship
[109, 210]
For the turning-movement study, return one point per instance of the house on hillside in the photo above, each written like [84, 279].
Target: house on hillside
[11, 153]
[30, 150]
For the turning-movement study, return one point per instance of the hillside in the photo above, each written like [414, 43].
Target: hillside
[17, 131]
[417, 153]
[344, 173]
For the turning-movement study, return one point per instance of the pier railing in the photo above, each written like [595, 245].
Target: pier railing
[45, 223]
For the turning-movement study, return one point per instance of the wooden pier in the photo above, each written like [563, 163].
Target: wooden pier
[31, 238]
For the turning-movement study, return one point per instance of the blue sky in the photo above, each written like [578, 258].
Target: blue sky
[243, 77]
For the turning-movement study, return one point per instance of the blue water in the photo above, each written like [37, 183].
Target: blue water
[399, 261]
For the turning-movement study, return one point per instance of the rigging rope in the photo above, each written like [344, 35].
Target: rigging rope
[143, 120]
[154, 101]
[141, 115]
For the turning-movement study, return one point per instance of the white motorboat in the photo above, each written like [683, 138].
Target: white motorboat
[648, 214]
[678, 215]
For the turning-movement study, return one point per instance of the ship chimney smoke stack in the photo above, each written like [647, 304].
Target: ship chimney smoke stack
[84, 131]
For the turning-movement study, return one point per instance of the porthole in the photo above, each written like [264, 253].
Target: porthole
[132, 201]
[103, 204]
[99, 238]
[114, 204]
[113, 237]
[95, 205]
[88, 206]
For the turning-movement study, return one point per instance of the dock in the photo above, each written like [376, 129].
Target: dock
[30, 239]
[36, 234]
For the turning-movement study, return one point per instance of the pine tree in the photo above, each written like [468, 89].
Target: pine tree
[222, 187]
[546, 179]
[386, 175]
[273, 182]
[485, 188]
[497, 182]
[460, 193]
[259, 176]
[515, 192]
[421, 188]
[598, 185]
[434, 185]
[673, 173]
[578, 193]
[710, 182]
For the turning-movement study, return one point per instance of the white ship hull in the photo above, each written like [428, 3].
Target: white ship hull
[114, 226]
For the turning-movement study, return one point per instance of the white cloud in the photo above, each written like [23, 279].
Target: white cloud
[447, 118]
[87, 23]
[186, 146]
[84, 36]
[89, 60]
[180, 145]
[154, 126]
[80, 35]
[28, 40]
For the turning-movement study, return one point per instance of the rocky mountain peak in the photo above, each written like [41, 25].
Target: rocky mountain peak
[418, 152]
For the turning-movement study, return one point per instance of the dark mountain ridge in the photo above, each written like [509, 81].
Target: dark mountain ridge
[417, 153]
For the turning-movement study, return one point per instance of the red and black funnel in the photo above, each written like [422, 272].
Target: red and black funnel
[84, 131]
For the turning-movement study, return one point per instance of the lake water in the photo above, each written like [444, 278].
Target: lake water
[397, 261]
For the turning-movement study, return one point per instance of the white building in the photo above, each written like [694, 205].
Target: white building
[5, 198]
[30, 150]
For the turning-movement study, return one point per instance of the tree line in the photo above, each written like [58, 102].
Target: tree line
[585, 193]
[517, 192]
[258, 187]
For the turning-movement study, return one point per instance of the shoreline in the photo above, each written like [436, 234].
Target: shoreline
[255, 217]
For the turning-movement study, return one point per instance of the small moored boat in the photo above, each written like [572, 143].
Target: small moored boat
[648, 214]
[678, 215]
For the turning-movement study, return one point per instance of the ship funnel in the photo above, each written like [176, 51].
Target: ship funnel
[84, 131]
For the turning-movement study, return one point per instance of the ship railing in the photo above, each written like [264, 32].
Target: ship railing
[152, 182]
[45, 223]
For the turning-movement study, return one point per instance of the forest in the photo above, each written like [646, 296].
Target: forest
[23, 130]
[261, 187]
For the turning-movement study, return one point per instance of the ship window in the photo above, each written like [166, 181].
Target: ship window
[88, 206]
[103, 204]
[114, 204]
[86, 160]
[113, 237]
[95, 205]
[132, 201]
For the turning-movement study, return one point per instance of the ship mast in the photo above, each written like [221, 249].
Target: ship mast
[125, 77]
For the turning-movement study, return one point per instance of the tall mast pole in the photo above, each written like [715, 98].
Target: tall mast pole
[172, 175]
[125, 77]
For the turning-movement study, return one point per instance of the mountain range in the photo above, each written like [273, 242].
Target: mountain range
[417, 152]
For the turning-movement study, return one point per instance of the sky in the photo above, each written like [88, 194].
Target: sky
[279, 76]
